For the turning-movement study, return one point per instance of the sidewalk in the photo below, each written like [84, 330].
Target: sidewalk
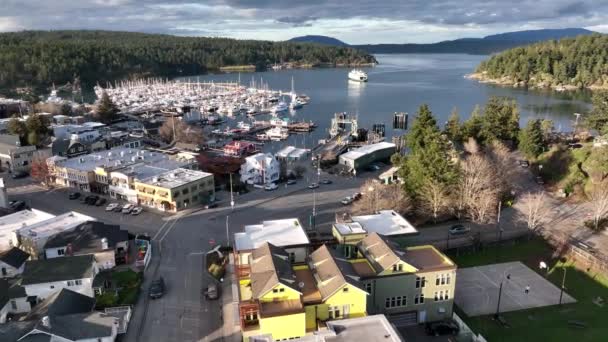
[230, 305]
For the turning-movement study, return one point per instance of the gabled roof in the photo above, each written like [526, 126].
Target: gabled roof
[58, 269]
[62, 302]
[270, 267]
[87, 237]
[380, 252]
[80, 326]
[14, 257]
[331, 272]
[10, 289]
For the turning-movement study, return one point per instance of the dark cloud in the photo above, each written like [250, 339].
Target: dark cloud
[297, 21]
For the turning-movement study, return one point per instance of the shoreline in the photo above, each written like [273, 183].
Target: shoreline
[506, 81]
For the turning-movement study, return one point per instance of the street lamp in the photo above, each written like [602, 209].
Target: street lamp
[497, 314]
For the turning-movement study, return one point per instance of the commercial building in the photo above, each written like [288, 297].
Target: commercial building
[176, 190]
[261, 168]
[352, 229]
[9, 224]
[291, 153]
[359, 158]
[413, 285]
[13, 156]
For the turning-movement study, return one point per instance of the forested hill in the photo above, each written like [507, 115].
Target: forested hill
[580, 62]
[45, 57]
[318, 40]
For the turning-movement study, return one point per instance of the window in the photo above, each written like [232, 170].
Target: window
[292, 257]
[437, 280]
[61, 251]
[368, 288]
[345, 289]
[281, 290]
[275, 290]
[70, 283]
[419, 299]
[442, 295]
[334, 312]
[394, 302]
[420, 282]
[52, 286]
[397, 267]
[78, 282]
[447, 279]
[185, 191]
[14, 304]
[251, 316]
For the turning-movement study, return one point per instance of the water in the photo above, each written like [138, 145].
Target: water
[401, 83]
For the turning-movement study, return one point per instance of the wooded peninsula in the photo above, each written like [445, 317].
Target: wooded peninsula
[40, 58]
[566, 64]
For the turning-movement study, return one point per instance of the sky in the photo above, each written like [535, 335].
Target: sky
[353, 21]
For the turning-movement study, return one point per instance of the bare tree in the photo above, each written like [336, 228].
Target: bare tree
[40, 170]
[178, 131]
[500, 156]
[535, 209]
[377, 196]
[476, 191]
[434, 199]
[471, 146]
[598, 198]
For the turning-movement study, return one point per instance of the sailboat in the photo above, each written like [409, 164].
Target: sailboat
[295, 102]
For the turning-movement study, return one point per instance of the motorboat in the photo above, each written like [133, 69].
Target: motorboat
[357, 75]
[280, 107]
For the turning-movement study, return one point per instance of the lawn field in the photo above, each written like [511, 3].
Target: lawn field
[581, 322]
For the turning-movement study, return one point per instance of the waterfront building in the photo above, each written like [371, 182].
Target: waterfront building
[359, 158]
[261, 168]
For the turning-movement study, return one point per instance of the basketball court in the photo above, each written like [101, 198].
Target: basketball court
[477, 289]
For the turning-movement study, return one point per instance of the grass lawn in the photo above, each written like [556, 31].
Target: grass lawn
[550, 323]
[129, 283]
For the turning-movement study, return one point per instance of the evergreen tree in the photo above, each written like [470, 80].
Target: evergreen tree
[531, 141]
[472, 127]
[452, 128]
[597, 119]
[106, 110]
[500, 120]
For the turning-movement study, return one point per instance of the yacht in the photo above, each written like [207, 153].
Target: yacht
[357, 75]
[280, 107]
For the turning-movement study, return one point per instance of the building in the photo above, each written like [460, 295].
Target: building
[261, 168]
[13, 299]
[9, 224]
[238, 148]
[287, 234]
[71, 148]
[62, 302]
[120, 139]
[390, 176]
[12, 262]
[352, 229]
[413, 284]
[13, 156]
[42, 278]
[32, 238]
[291, 153]
[375, 328]
[97, 172]
[176, 190]
[288, 300]
[360, 158]
[108, 243]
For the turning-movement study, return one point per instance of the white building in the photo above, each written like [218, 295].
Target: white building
[32, 238]
[292, 153]
[287, 234]
[261, 168]
[41, 278]
[13, 299]
[365, 155]
[82, 133]
[9, 224]
[385, 222]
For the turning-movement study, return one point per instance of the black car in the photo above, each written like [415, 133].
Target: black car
[442, 328]
[74, 195]
[17, 205]
[211, 205]
[101, 201]
[157, 288]
[91, 199]
[326, 181]
[19, 174]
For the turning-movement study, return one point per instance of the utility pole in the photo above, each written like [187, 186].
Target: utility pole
[499, 232]
[227, 231]
[561, 292]
[231, 194]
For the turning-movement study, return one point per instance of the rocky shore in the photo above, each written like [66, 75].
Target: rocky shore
[506, 81]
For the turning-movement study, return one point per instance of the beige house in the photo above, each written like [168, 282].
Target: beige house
[13, 156]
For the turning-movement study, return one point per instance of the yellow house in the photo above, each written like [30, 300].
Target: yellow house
[288, 301]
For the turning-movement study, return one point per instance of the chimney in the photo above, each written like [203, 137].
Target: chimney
[46, 322]
[104, 244]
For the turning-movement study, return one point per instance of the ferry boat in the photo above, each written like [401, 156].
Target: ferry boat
[357, 75]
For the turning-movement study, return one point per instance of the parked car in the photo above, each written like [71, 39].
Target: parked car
[137, 210]
[17, 205]
[101, 201]
[19, 174]
[271, 187]
[118, 208]
[74, 195]
[356, 196]
[291, 182]
[459, 229]
[157, 288]
[91, 199]
[347, 200]
[524, 163]
[211, 205]
[127, 208]
[442, 328]
[212, 292]
[326, 181]
[112, 206]
[313, 185]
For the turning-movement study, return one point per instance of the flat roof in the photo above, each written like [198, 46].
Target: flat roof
[176, 178]
[385, 222]
[375, 328]
[363, 268]
[307, 285]
[426, 258]
[349, 228]
[54, 225]
[13, 222]
[116, 157]
[281, 233]
[367, 149]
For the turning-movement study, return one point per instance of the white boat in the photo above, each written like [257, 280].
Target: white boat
[277, 133]
[357, 75]
[280, 107]
[296, 104]
[243, 126]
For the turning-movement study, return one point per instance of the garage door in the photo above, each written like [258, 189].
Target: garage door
[404, 319]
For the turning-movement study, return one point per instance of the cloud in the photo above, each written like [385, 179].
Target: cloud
[357, 21]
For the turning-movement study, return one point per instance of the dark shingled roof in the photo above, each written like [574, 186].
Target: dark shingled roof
[10, 289]
[62, 302]
[79, 326]
[270, 266]
[87, 237]
[14, 257]
[13, 331]
[58, 269]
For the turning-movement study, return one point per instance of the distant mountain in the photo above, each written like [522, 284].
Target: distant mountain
[319, 40]
[486, 45]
